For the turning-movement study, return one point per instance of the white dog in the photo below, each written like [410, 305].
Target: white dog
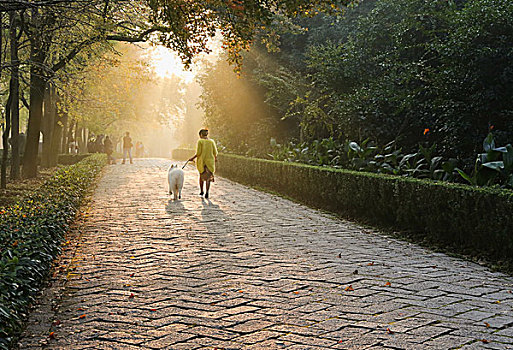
[175, 178]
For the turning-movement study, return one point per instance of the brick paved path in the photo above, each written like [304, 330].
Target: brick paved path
[249, 270]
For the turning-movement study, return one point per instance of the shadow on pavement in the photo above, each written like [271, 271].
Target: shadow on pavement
[175, 209]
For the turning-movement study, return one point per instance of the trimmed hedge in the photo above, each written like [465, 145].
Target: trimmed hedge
[31, 233]
[476, 218]
[70, 159]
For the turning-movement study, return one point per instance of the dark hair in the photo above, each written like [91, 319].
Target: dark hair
[203, 132]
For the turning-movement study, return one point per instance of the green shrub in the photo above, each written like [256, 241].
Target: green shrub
[31, 233]
[463, 216]
[70, 159]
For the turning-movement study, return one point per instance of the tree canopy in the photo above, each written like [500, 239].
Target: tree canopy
[408, 71]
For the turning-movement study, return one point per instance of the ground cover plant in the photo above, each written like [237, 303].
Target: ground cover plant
[21, 188]
[31, 234]
[494, 167]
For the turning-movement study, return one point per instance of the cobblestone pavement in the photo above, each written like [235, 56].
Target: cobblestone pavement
[250, 270]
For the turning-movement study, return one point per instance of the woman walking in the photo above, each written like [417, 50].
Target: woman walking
[206, 152]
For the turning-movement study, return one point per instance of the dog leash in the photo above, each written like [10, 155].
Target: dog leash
[185, 164]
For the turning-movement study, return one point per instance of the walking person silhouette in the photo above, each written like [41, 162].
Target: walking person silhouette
[127, 147]
[206, 153]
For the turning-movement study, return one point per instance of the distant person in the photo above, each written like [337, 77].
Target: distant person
[90, 144]
[127, 147]
[206, 152]
[99, 143]
[73, 147]
[108, 148]
[139, 149]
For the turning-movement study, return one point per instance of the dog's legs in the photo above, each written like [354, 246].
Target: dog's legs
[175, 192]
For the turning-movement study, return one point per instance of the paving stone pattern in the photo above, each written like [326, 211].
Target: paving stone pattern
[250, 270]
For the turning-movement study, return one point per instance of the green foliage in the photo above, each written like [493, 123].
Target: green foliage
[436, 210]
[70, 159]
[495, 166]
[318, 152]
[389, 69]
[366, 156]
[31, 233]
[191, 23]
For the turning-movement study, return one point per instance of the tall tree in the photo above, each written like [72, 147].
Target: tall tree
[182, 25]
[14, 94]
[39, 43]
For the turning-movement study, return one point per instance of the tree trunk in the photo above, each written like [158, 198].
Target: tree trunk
[7, 126]
[65, 133]
[55, 146]
[71, 136]
[56, 142]
[37, 88]
[15, 101]
[82, 137]
[47, 127]
[5, 140]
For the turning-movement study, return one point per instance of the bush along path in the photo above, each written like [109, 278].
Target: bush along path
[31, 233]
[250, 270]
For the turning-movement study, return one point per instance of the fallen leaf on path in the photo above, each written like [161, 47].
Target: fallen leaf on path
[498, 302]
[131, 296]
[296, 292]
[487, 324]
[371, 263]
[80, 309]
[51, 335]
[340, 341]
[485, 341]
[388, 284]
[153, 310]
[349, 288]
[241, 291]
[132, 274]
[82, 316]
[389, 331]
